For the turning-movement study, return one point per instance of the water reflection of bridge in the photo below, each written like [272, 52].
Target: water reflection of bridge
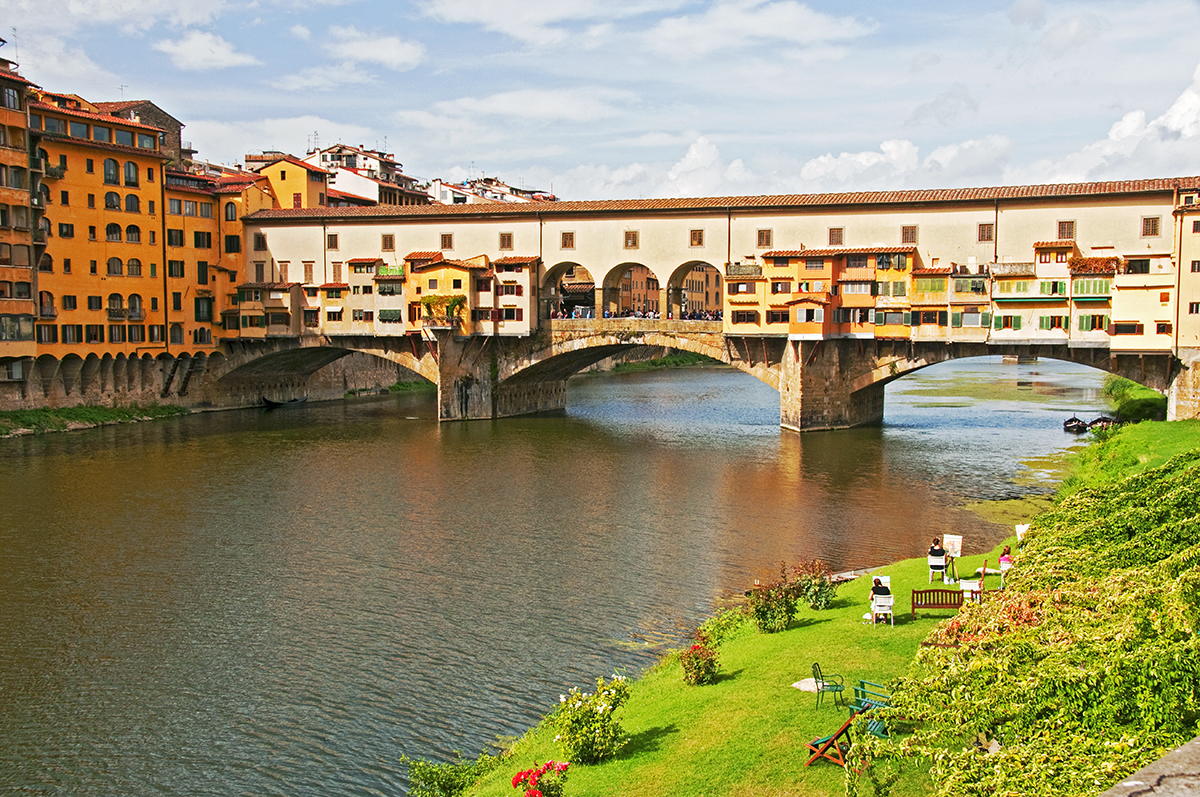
[823, 384]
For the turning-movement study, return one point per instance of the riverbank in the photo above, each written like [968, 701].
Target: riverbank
[15, 423]
[746, 733]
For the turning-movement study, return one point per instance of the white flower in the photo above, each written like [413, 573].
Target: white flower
[562, 698]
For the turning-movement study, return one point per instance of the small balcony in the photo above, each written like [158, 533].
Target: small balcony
[54, 172]
[117, 314]
[137, 313]
[36, 164]
[47, 311]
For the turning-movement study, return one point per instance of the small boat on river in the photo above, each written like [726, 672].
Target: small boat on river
[274, 405]
[1075, 425]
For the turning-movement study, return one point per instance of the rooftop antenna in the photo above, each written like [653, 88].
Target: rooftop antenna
[122, 87]
[16, 46]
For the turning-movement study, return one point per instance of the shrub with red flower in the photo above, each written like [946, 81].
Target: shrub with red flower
[548, 780]
[699, 661]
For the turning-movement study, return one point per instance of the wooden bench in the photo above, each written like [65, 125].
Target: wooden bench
[936, 599]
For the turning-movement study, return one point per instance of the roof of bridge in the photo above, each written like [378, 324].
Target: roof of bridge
[775, 201]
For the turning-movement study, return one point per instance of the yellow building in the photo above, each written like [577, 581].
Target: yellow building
[22, 238]
[296, 184]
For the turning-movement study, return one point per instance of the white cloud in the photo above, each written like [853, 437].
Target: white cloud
[48, 61]
[324, 78]
[737, 24]
[388, 51]
[300, 32]
[1168, 145]
[895, 158]
[199, 51]
[1028, 12]
[573, 105]
[1071, 32]
[534, 21]
[227, 142]
[975, 160]
[947, 108]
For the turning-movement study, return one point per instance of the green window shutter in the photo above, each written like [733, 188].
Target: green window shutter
[999, 322]
[1106, 322]
[1062, 287]
[943, 318]
[1016, 322]
[1043, 322]
[907, 319]
[1045, 287]
[985, 320]
[956, 320]
[1085, 323]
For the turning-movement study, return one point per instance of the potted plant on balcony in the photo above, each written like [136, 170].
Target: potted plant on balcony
[443, 312]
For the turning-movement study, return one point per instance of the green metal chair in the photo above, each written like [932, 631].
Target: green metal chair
[828, 683]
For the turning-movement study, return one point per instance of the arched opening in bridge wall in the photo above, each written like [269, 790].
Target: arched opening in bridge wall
[568, 291]
[693, 291]
[631, 289]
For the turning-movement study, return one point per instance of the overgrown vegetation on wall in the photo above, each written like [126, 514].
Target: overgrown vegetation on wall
[1083, 669]
[1132, 402]
[57, 420]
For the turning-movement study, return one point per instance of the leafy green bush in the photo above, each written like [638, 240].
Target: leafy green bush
[773, 605]
[699, 662]
[1083, 669]
[585, 725]
[450, 779]
[724, 625]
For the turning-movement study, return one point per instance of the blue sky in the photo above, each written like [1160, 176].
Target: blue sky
[648, 98]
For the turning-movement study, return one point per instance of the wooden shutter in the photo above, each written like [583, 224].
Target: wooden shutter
[907, 319]
[999, 323]
[985, 320]
[956, 319]
[495, 313]
[1016, 322]
[943, 318]
[520, 312]
[520, 291]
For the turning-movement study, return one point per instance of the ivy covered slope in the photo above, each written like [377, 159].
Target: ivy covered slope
[1084, 669]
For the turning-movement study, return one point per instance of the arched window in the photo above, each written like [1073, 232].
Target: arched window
[133, 267]
[132, 205]
[46, 263]
[112, 233]
[177, 333]
[112, 171]
[131, 173]
[115, 302]
[136, 312]
[46, 304]
[230, 211]
[114, 266]
[112, 201]
[44, 192]
[44, 155]
[133, 234]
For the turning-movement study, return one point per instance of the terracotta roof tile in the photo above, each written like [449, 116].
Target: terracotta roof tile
[334, 286]
[15, 77]
[516, 260]
[959, 195]
[847, 250]
[424, 256]
[51, 108]
[361, 260]
[270, 286]
[1066, 244]
[933, 272]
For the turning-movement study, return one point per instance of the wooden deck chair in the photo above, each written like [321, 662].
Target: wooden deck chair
[833, 747]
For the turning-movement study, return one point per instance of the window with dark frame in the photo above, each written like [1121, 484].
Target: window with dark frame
[447, 240]
[1150, 226]
[1066, 231]
[567, 241]
[766, 239]
[696, 238]
[837, 236]
[631, 239]
[908, 234]
[987, 232]
[506, 241]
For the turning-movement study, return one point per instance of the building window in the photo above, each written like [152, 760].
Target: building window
[331, 241]
[112, 233]
[131, 174]
[781, 287]
[230, 211]
[506, 241]
[777, 316]
[334, 315]
[189, 207]
[631, 239]
[908, 234]
[1141, 266]
[308, 271]
[174, 237]
[837, 236]
[66, 230]
[202, 240]
[1043, 257]
[233, 243]
[114, 267]
[987, 233]
[133, 267]
[112, 201]
[388, 243]
[132, 205]
[447, 240]
[766, 239]
[696, 238]
[567, 241]
[1194, 308]
[1066, 231]
[1060, 257]
[175, 269]
[1162, 328]
[64, 197]
[112, 172]
[260, 242]
[1150, 226]
[202, 272]
[433, 283]
[133, 234]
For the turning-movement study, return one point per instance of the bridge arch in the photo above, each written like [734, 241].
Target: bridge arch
[678, 296]
[565, 286]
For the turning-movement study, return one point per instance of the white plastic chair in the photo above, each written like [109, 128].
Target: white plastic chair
[1004, 566]
[970, 588]
[937, 564]
[881, 605]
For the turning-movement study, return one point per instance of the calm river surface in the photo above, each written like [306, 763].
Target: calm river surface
[285, 602]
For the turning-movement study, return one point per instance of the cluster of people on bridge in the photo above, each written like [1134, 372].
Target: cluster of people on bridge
[588, 312]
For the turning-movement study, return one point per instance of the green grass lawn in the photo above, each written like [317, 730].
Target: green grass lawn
[53, 420]
[746, 733]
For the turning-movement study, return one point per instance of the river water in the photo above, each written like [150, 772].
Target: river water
[285, 602]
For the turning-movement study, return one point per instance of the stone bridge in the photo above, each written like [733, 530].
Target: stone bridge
[822, 384]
